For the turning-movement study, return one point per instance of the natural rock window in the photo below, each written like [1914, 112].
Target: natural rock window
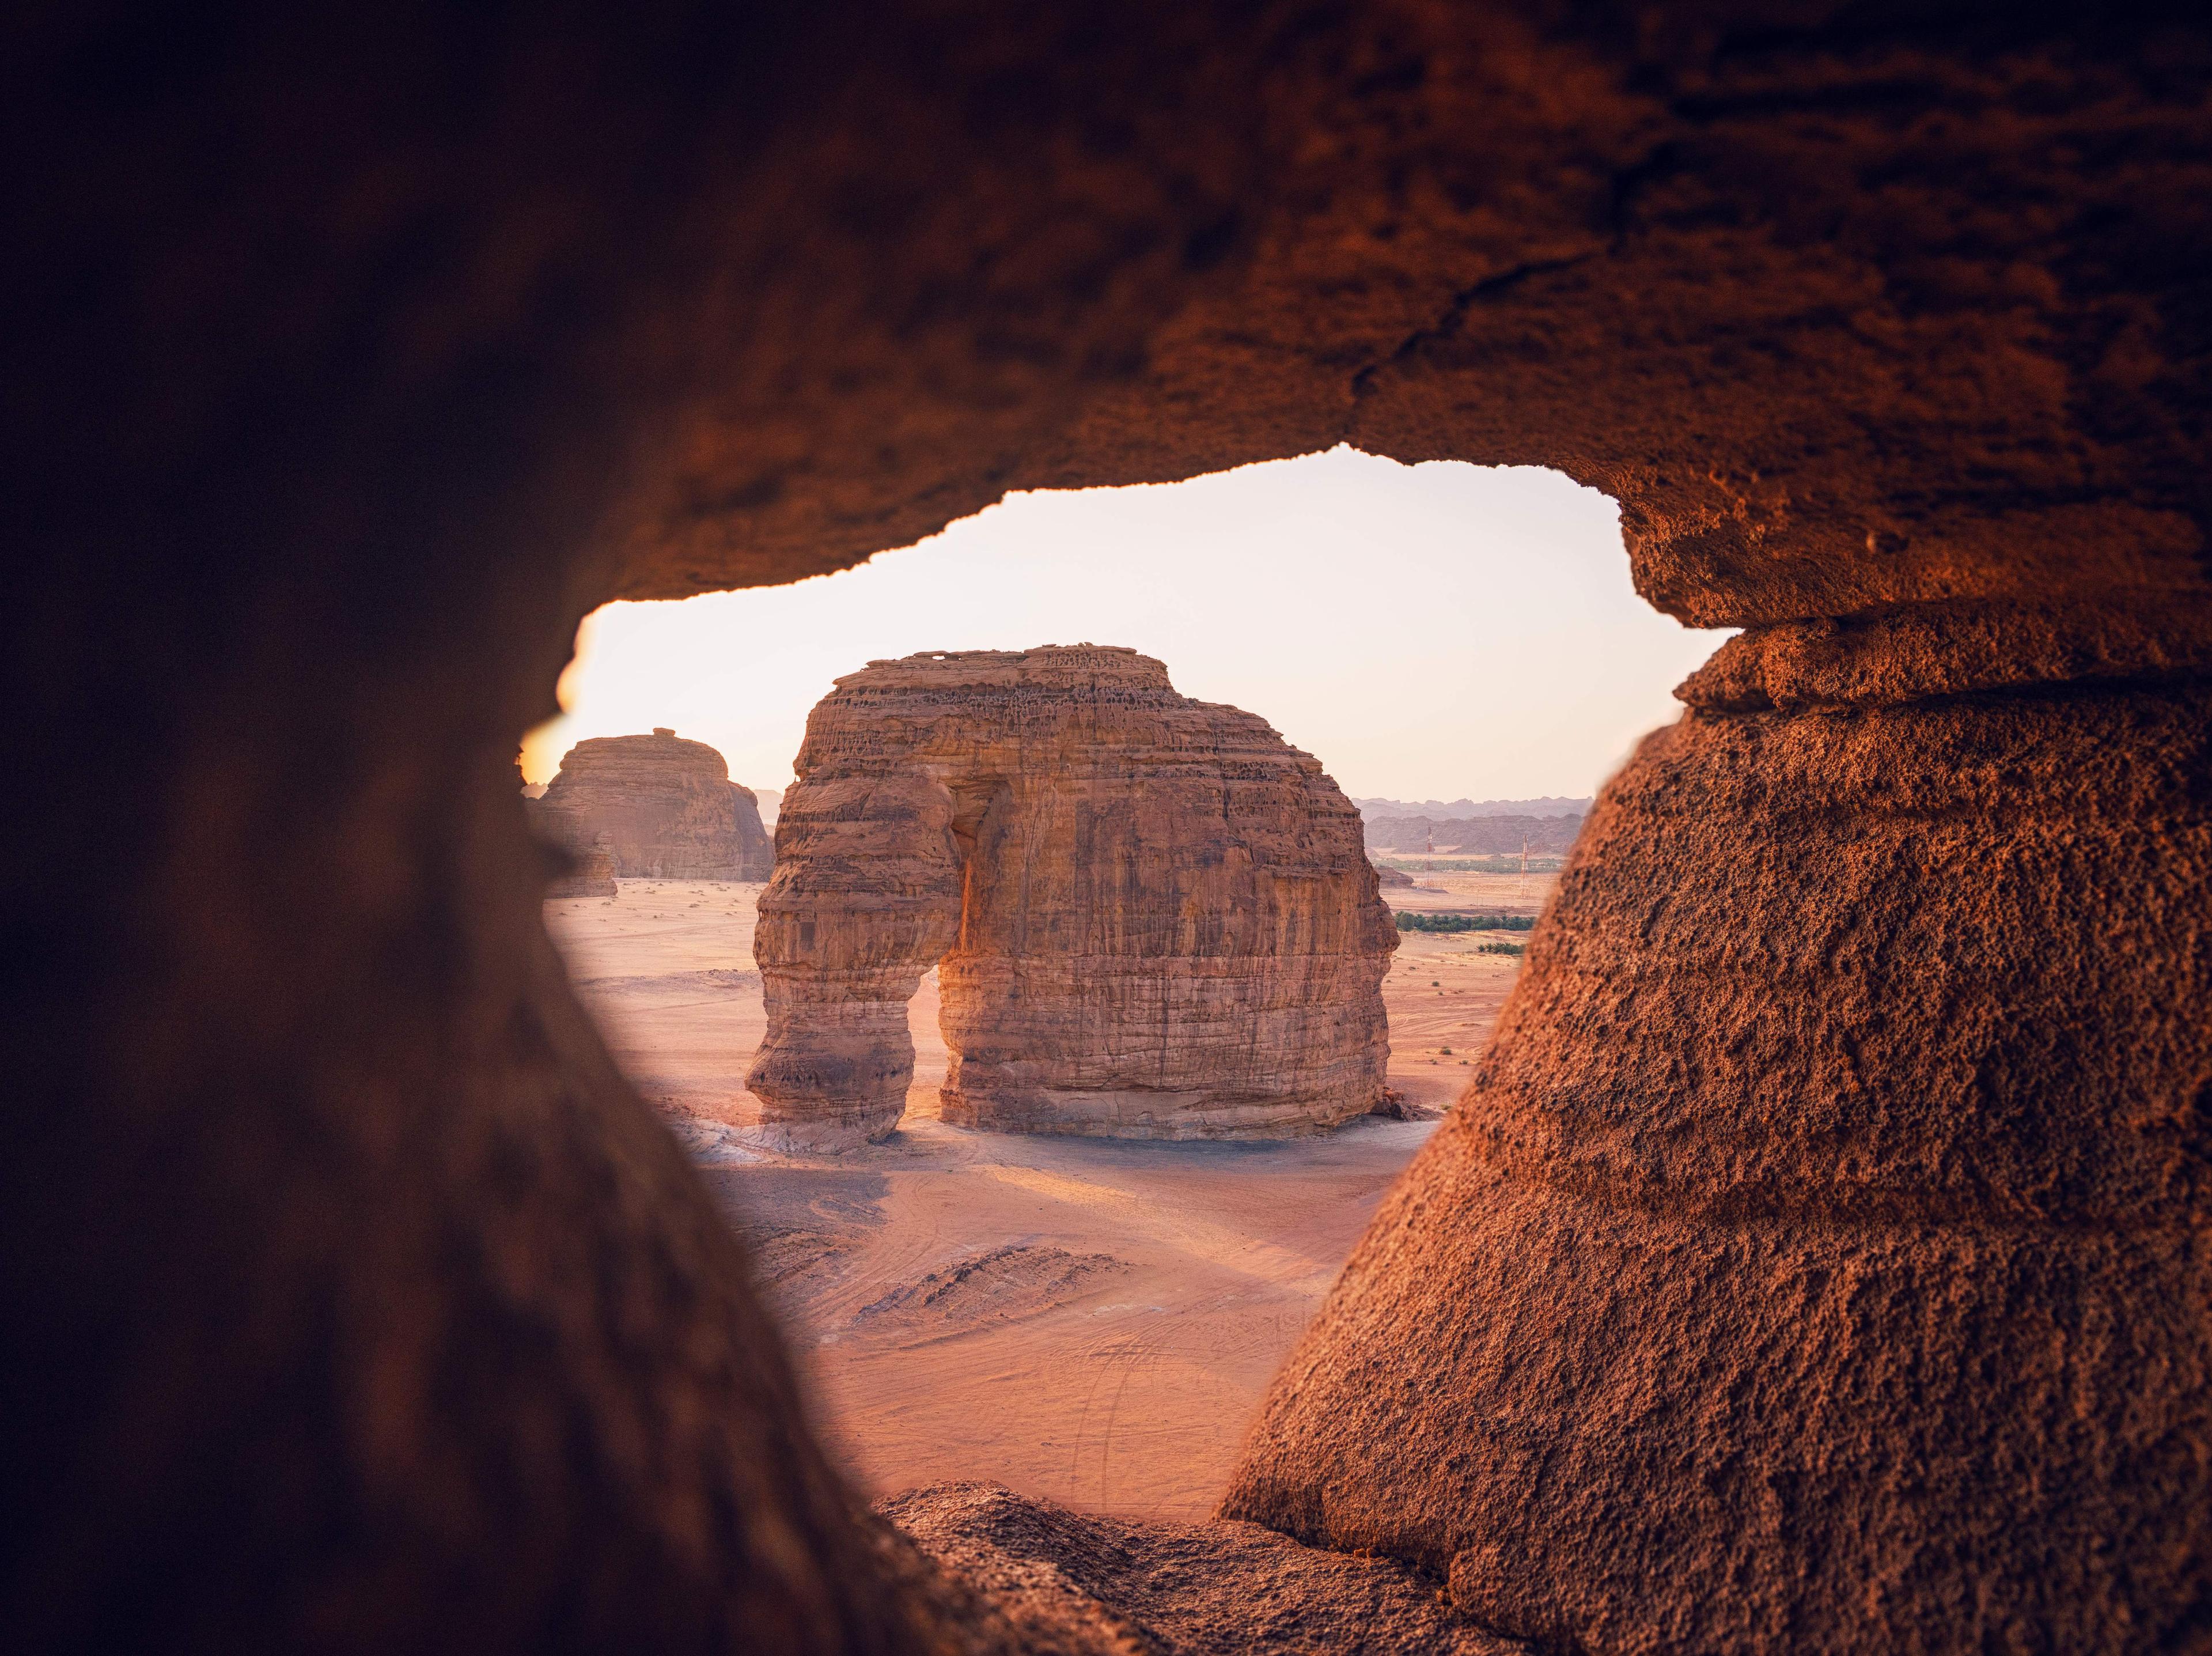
[1156, 917]
[1817, 1258]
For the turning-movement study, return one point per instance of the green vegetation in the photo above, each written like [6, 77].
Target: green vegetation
[1409, 921]
[1501, 949]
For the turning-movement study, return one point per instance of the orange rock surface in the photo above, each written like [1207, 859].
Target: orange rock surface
[1835, 1153]
[665, 808]
[1155, 916]
[1838, 1268]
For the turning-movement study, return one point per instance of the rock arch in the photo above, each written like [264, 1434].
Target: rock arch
[363, 355]
[1155, 916]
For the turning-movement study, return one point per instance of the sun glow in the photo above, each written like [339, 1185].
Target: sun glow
[1428, 631]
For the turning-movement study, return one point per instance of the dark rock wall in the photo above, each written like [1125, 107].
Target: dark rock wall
[360, 353]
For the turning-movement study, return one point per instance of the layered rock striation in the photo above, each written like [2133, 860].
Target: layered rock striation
[662, 807]
[1152, 916]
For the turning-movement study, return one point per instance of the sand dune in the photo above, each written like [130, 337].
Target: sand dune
[1004, 1285]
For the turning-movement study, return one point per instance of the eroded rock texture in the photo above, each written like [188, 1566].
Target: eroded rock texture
[661, 807]
[1839, 1159]
[1154, 917]
[366, 349]
[1072, 1582]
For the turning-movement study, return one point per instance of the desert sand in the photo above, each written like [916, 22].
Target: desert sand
[1084, 1319]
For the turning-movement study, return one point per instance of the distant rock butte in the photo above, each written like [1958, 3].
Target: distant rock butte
[1391, 877]
[665, 808]
[1152, 916]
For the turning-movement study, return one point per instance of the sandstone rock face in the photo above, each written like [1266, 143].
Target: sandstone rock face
[665, 808]
[1154, 917]
[331, 381]
[1391, 877]
[1838, 1156]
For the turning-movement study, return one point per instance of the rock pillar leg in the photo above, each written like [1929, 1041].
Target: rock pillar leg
[1817, 1258]
[866, 898]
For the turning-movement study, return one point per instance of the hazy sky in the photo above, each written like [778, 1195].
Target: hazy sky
[1433, 631]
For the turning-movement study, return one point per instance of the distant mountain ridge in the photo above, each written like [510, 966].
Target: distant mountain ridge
[1551, 805]
[1475, 836]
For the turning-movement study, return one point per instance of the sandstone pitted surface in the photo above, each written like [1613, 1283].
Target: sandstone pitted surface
[663, 808]
[1739, 1281]
[1155, 916]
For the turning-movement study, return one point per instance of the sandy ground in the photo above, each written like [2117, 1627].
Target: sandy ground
[1078, 1318]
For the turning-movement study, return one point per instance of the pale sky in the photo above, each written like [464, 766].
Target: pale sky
[1438, 632]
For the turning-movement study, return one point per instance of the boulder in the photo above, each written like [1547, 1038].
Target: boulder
[1072, 1583]
[1153, 915]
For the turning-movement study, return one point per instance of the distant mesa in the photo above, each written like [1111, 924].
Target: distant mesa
[1473, 836]
[1152, 916]
[662, 807]
[1391, 877]
[1548, 805]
